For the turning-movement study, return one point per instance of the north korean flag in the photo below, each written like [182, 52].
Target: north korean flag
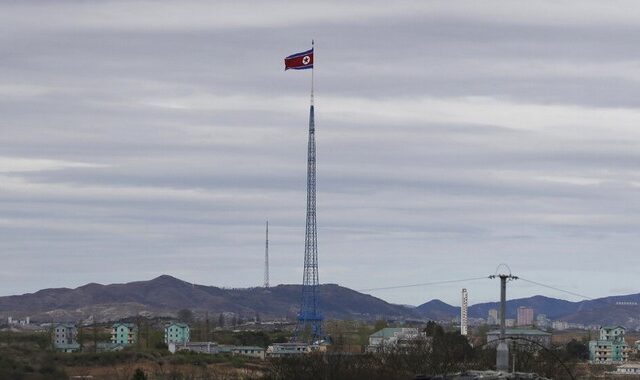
[299, 61]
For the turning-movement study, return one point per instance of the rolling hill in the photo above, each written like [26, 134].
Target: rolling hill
[165, 295]
[600, 311]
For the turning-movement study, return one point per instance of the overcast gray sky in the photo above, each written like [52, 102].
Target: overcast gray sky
[142, 138]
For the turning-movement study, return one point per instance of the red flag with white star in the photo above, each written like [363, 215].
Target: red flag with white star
[299, 61]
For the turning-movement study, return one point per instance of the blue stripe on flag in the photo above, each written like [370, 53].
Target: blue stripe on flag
[300, 54]
[301, 67]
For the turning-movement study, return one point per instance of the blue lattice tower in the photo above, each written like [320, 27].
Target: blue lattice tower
[310, 319]
[309, 325]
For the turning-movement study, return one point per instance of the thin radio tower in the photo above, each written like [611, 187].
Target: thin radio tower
[310, 319]
[464, 320]
[266, 259]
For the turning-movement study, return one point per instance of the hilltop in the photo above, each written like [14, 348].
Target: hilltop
[600, 311]
[166, 295]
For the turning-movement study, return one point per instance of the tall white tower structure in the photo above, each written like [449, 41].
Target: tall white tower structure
[464, 320]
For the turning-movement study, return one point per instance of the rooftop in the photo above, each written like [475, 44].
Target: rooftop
[389, 332]
[290, 344]
[178, 324]
[127, 325]
[630, 365]
[520, 332]
[67, 325]
[254, 348]
[612, 327]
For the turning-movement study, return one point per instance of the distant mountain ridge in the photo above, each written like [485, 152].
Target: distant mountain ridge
[437, 310]
[600, 311]
[165, 295]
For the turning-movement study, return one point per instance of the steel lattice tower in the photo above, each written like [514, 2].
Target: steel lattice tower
[310, 319]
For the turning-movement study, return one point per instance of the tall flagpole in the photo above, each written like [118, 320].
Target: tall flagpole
[314, 61]
[310, 319]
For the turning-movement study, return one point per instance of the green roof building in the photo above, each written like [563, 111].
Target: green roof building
[610, 348]
[392, 336]
[176, 332]
[532, 338]
[124, 333]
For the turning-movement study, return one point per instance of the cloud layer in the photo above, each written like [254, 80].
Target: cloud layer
[157, 137]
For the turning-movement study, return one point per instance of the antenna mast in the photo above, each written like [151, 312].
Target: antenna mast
[266, 258]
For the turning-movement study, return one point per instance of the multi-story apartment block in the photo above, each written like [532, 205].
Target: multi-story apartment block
[525, 316]
[542, 322]
[492, 318]
[560, 325]
[612, 333]
[124, 333]
[176, 333]
[610, 348]
[65, 337]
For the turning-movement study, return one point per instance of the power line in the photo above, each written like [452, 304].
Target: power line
[558, 289]
[472, 279]
[423, 284]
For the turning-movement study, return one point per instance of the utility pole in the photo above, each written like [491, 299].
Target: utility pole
[502, 357]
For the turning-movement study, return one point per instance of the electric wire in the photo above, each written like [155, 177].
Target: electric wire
[556, 288]
[473, 279]
[423, 284]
